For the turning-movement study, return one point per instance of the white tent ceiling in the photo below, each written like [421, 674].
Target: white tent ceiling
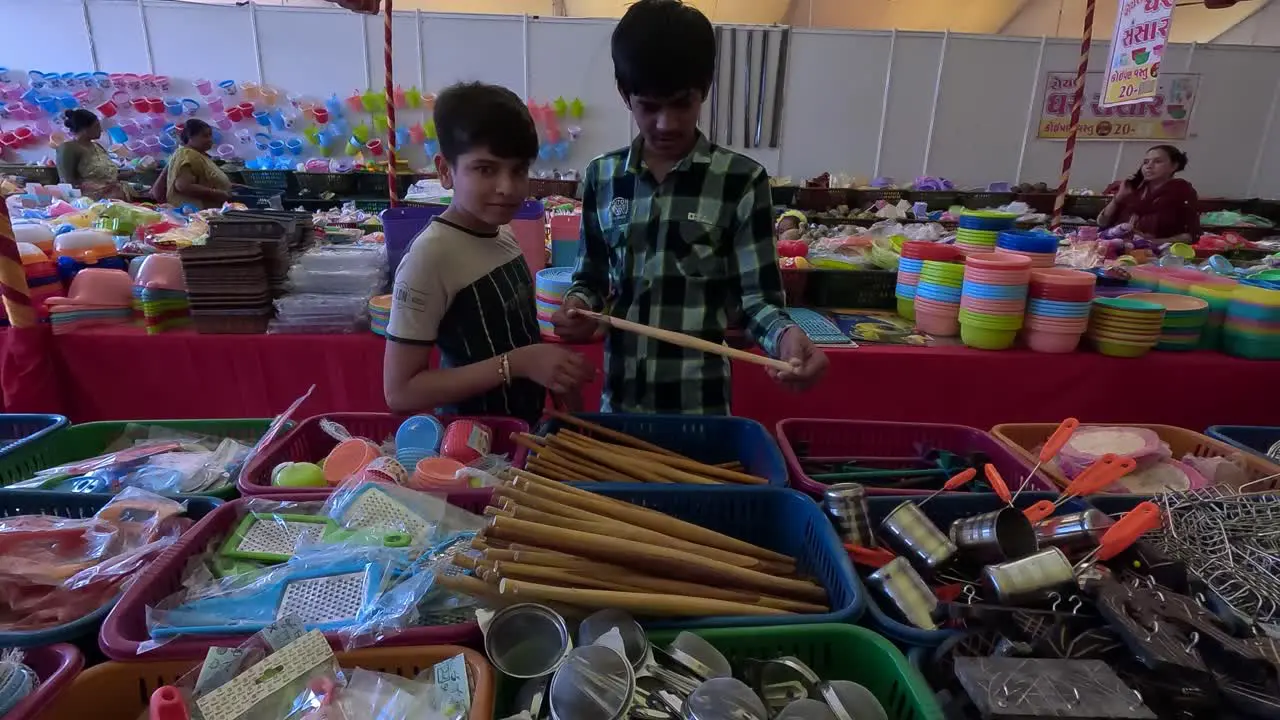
[1054, 18]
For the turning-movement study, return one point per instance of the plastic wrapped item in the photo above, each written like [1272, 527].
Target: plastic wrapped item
[1090, 443]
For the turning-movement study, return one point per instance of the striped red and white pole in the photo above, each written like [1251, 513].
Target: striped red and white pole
[1085, 41]
[13, 277]
[391, 111]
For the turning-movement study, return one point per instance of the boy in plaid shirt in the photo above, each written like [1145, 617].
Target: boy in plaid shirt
[677, 232]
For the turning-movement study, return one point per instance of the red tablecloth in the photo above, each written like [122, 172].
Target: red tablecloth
[121, 375]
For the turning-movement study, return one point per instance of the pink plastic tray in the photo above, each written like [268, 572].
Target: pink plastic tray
[56, 666]
[870, 438]
[307, 443]
[125, 629]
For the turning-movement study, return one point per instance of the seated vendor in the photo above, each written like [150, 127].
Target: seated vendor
[85, 164]
[1159, 206]
[191, 178]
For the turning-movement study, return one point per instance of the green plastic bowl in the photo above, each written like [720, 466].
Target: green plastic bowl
[1112, 348]
[991, 322]
[983, 338]
[907, 309]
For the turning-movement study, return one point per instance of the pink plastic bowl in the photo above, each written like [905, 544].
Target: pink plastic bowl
[161, 272]
[1063, 325]
[939, 324]
[997, 277]
[99, 286]
[995, 307]
[998, 261]
[1055, 276]
[1051, 342]
[935, 307]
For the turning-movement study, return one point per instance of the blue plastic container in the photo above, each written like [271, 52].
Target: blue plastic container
[1256, 439]
[941, 293]
[73, 505]
[777, 519]
[993, 292]
[1058, 308]
[942, 510]
[1028, 241]
[17, 431]
[706, 438]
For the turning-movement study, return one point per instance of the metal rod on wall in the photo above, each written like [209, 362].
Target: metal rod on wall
[524, 27]
[933, 111]
[146, 37]
[88, 32]
[884, 101]
[257, 41]
[1031, 109]
[422, 54]
[1266, 137]
[364, 43]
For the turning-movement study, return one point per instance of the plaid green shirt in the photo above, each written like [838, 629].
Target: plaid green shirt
[685, 254]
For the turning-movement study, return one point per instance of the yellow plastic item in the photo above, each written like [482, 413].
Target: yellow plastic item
[1183, 250]
[121, 691]
[361, 132]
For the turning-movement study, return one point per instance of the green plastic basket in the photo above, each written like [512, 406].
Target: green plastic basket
[78, 442]
[834, 652]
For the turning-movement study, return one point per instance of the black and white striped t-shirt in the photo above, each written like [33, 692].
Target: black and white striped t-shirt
[470, 294]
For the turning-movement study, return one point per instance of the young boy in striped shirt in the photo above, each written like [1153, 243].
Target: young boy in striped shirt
[464, 285]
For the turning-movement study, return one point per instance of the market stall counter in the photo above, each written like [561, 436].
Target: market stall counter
[111, 374]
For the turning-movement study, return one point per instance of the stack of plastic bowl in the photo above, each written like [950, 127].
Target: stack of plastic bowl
[1252, 329]
[1180, 280]
[1121, 327]
[1217, 291]
[1040, 246]
[418, 438]
[1057, 309]
[552, 284]
[911, 264]
[42, 276]
[1146, 277]
[938, 298]
[979, 229]
[379, 314]
[1184, 319]
[993, 299]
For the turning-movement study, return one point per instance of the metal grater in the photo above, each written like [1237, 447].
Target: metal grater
[374, 509]
[328, 599]
[273, 538]
[818, 327]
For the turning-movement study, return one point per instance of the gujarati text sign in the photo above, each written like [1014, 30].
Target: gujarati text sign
[1137, 44]
[1165, 116]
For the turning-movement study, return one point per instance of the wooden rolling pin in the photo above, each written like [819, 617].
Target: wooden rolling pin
[630, 465]
[654, 559]
[692, 466]
[645, 518]
[614, 435]
[651, 604]
[688, 341]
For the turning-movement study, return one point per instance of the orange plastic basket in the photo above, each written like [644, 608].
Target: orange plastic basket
[1027, 438]
[122, 691]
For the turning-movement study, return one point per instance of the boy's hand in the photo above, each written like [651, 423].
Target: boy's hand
[555, 368]
[572, 327]
[808, 362]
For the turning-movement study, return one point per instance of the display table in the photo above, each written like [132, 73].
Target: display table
[110, 374]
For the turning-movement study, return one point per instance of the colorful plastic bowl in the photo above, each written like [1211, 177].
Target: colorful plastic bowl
[1060, 325]
[1171, 302]
[1120, 349]
[999, 261]
[1051, 342]
[348, 458]
[938, 324]
[1126, 305]
[994, 307]
[921, 250]
[907, 308]
[990, 321]
[1060, 276]
[985, 338]
[994, 292]
[998, 277]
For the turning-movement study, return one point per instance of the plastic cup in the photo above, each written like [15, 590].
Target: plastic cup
[204, 86]
[321, 115]
[173, 107]
[107, 109]
[262, 118]
[155, 105]
[140, 105]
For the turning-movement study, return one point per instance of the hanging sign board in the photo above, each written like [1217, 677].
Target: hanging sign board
[1164, 116]
[1137, 44]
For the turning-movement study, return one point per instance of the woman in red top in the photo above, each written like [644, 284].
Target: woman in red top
[1160, 207]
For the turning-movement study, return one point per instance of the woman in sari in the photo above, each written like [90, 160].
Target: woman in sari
[85, 164]
[191, 178]
[1159, 206]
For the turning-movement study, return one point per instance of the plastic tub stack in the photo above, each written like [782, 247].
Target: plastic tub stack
[911, 265]
[980, 229]
[98, 298]
[331, 289]
[1184, 319]
[1122, 327]
[1058, 309]
[550, 286]
[1040, 246]
[1217, 292]
[994, 297]
[42, 276]
[1252, 328]
[937, 303]
[160, 293]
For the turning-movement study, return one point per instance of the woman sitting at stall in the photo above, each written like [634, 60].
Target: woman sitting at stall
[85, 164]
[1159, 206]
[191, 178]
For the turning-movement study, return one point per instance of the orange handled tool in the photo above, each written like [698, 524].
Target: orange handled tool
[1142, 519]
[1102, 473]
[869, 557]
[1052, 447]
[960, 478]
[997, 483]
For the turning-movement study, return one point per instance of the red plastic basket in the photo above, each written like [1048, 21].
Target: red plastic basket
[870, 438]
[125, 629]
[56, 666]
[308, 443]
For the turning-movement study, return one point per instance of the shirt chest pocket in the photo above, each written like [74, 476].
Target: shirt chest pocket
[698, 250]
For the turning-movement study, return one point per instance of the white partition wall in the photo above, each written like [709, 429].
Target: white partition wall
[865, 103]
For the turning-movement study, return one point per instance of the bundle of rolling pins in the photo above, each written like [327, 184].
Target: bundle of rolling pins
[596, 453]
[577, 551]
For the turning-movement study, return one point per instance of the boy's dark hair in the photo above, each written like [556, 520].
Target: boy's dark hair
[191, 128]
[662, 48]
[475, 115]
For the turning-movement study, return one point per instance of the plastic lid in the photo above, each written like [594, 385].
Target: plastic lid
[347, 459]
[438, 471]
[421, 432]
[1126, 304]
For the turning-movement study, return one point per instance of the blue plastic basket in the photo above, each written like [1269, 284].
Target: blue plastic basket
[73, 505]
[705, 438]
[773, 518]
[1253, 438]
[942, 510]
[19, 430]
